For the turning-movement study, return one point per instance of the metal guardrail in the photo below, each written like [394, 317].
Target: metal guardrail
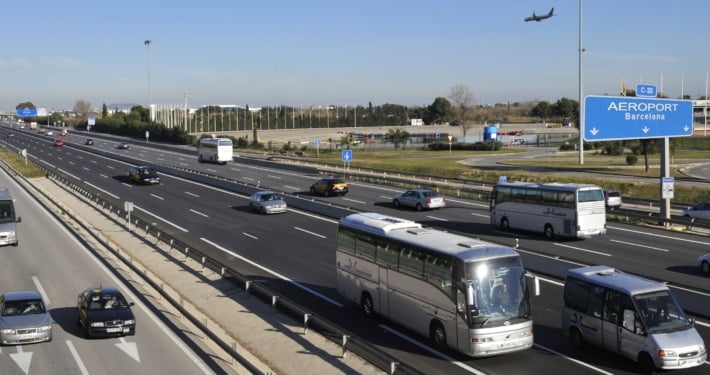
[349, 341]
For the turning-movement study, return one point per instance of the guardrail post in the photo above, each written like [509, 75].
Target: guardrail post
[146, 229]
[393, 367]
[305, 323]
[274, 299]
[345, 342]
[157, 238]
[203, 264]
[172, 240]
[187, 249]
[247, 285]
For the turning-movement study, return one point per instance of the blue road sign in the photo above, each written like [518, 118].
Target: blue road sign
[646, 90]
[612, 118]
[347, 155]
[317, 142]
[25, 112]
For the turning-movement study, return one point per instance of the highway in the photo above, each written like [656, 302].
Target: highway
[295, 250]
[52, 261]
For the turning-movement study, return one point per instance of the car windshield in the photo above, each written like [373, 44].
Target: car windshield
[270, 197]
[107, 302]
[660, 312]
[23, 307]
[6, 213]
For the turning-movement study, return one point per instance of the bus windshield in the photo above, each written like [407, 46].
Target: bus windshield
[660, 312]
[497, 291]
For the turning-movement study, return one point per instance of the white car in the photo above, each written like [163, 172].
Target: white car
[419, 199]
[699, 211]
[704, 263]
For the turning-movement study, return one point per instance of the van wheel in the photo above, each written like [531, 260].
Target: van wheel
[504, 223]
[549, 232]
[437, 334]
[575, 339]
[366, 304]
[705, 266]
[646, 364]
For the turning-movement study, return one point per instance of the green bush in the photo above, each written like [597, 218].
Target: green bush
[632, 159]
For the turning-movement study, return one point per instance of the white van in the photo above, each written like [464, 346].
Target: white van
[631, 316]
[8, 221]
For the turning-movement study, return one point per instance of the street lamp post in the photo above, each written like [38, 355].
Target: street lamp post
[581, 99]
[147, 43]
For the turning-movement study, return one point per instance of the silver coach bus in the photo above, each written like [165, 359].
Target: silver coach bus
[631, 316]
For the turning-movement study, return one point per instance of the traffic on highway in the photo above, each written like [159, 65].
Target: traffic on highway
[296, 251]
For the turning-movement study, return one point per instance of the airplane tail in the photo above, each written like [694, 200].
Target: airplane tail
[551, 12]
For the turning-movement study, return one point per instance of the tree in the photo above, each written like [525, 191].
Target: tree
[439, 111]
[542, 110]
[26, 104]
[82, 108]
[567, 109]
[397, 136]
[104, 111]
[462, 99]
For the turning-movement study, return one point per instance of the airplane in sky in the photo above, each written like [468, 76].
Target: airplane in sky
[540, 18]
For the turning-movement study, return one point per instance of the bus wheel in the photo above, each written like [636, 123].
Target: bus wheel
[575, 339]
[504, 223]
[646, 364]
[437, 334]
[366, 303]
[549, 232]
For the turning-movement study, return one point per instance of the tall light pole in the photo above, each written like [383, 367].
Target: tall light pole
[147, 43]
[581, 99]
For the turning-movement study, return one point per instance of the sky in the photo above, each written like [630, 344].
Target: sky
[324, 52]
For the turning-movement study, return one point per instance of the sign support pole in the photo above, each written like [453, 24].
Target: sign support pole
[665, 172]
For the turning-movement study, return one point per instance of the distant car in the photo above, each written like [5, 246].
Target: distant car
[419, 199]
[41, 131]
[89, 141]
[58, 142]
[105, 312]
[144, 175]
[49, 132]
[330, 186]
[704, 263]
[122, 145]
[63, 132]
[24, 318]
[612, 199]
[267, 202]
[699, 211]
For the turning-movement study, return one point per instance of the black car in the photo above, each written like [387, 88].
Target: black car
[144, 175]
[122, 145]
[89, 141]
[104, 312]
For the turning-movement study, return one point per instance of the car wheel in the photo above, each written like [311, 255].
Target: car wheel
[549, 232]
[263, 211]
[646, 364]
[396, 203]
[368, 308]
[313, 190]
[505, 224]
[326, 193]
[705, 266]
[419, 207]
[437, 334]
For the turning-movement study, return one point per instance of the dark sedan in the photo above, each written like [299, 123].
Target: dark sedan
[144, 175]
[104, 312]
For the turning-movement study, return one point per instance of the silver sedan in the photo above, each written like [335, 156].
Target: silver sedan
[267, 202]
[24, 318]
[419, 199]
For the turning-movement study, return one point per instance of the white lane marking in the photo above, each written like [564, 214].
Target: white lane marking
[114, 196]
[587, 365]
[235, 169]
[250, 236]
[638, 245]
[184, 164]
[272, 176]
[292, 187]
[77, 359]
[437, 218]
[38, 285]
[309, 232]
[110, 167]
[94, 161]
[660, 235]
[70, 175]
[211, 170]
[481, 215]
[192, 194]
[103, 175]
[353, 200]
[51, 165]
[160, 218]
[198, 212]
[432, 350]
[125, 184]
[248, 178]
[85, 168]
[580, 249]
[157, 196]
[280, 276]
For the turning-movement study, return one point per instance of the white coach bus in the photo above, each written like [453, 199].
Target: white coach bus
[215, 150]
[555, 209]
[461, 292]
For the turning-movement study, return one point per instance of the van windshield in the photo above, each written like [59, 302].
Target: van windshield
[660, 312]
[7, 214]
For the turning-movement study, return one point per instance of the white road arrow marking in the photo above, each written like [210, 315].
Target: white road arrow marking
[129, 348]
[645, 129]
[594, 131]
[22, 359]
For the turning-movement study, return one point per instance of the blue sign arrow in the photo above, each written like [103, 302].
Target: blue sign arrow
[347, 155]
[612, 118]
